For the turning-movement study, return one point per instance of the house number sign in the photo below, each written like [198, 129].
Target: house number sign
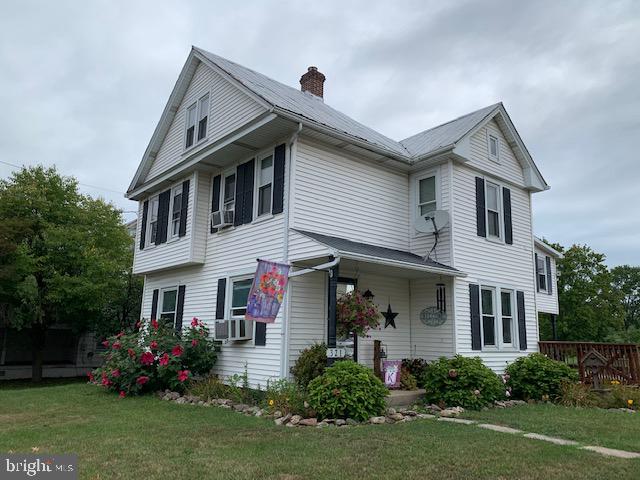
[336, 352]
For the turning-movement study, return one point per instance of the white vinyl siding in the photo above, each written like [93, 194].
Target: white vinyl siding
[228, 110]
[548, 303]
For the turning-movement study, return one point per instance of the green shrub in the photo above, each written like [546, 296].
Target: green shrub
[155, 358]
[462, 381]
[574, 394]
[538, 377]
[208, 388]
[310, 364]
[285, 396]
[407, 380]
[347, 390]
[620, 395]
[416, 367]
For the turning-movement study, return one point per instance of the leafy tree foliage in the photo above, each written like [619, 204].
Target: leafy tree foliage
[64, 256]
[626, 279]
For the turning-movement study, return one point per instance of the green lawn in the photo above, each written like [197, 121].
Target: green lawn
[145, 438]
[586, 425]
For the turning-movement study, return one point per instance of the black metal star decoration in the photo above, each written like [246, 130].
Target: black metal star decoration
[389, 317]
[368, 294]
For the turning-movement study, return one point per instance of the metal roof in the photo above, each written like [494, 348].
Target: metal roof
[447, 134]
[345, 247]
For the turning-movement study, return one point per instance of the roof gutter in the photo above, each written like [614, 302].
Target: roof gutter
[398, 263]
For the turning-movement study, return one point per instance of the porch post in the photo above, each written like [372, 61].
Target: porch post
[554, 327]
[332, 320]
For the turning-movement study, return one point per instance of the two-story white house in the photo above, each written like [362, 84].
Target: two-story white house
[242, 167]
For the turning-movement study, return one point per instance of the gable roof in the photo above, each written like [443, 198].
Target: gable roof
[447, 134]
[544, 246]
[304, 107]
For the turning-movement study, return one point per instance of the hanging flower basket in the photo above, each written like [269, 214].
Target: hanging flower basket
[356, 314]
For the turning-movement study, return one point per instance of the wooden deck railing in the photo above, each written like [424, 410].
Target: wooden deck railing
[598, 363]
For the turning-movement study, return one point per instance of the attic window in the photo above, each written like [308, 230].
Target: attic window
[196, 121]
[191, 126]
[494, 147]
[203, 116]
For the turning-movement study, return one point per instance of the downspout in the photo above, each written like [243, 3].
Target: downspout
[284, 352]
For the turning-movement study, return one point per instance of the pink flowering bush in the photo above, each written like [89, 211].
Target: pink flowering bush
[356, 314]
[155, 358]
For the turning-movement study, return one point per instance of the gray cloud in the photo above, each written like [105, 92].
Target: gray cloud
[82, 85]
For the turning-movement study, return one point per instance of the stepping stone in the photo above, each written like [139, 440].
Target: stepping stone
[555, 440]
[499, 428]
[456, 420]
[612, 452]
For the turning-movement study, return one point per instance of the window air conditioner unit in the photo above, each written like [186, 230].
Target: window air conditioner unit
[221, 218]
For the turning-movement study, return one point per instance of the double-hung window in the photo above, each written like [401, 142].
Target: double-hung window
[229, 192]
[487, 300]
[197, 119]
[541, 268]
[493, 211]
[427, 195]
[506, 312]
[239, 328]
[265, 185]
[152, 233]
[494, 147]
[168, 304]
[176, 207]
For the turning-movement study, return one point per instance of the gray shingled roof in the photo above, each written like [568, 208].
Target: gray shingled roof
[301, 103]
[446, 134]
[347, 246]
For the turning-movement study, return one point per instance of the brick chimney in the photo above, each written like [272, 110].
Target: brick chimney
[312, 82]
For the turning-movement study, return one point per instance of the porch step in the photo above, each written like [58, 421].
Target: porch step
[404, 398]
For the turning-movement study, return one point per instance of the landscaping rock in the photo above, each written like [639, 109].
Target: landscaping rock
[277, 414]
[378, 420]
[295, 420]
[322, 424]
[352, 422]
[396, 417]
[259, 413]
[340, 422]
[391, 411]
[410, 413]
[240, 407]
[308, 422]
[291, 425]
[451, 412]
[180, 401]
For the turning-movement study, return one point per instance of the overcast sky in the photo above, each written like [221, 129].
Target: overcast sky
[83, 84]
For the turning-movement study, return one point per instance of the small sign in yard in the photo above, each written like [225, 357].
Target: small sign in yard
[391, 369]
[336, 352]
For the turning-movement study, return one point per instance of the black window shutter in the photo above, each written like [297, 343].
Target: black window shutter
[247, 203]
[180, 308]
[474, 303]
[522, 323]
[239, 206]
[154, 304]
[143, 227]
[222, 288]
[481, 222]
[215, 198]
[163, 216]
[537, 272]
[549, 283]
[184, 208]
[278, 179]
[261, 334]
[508, 228]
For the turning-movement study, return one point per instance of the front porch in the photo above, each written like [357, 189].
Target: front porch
[406, 288]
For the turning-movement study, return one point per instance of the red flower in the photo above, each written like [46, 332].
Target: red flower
[164, 360]
[131, 352]
[183, 375]
[153, 345]
[90, 375]
[194, 322]
[115, 373]
[194, 342]
[154, 324]
[122, 394]
[142, 379]
[177, 351]
[106, 344]
[146, 358]
[120, 335]
[117, 345]
[138, 325]
[105, 381]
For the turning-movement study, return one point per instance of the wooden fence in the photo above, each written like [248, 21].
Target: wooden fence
[598, 363]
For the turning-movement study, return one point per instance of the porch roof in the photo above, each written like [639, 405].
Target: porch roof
[366, 252]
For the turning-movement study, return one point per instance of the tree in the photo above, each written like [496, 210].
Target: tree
[590, 308]
[626, 279]
[63, 255]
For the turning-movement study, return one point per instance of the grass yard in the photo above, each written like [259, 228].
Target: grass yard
[145, 438]
[585, 425]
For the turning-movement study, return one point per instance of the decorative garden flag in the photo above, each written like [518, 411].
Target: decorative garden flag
[267, 291]
[391, 369]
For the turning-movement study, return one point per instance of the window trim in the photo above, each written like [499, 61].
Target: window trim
[199, 117]
[542, 273]
[148, 241]
[161, 303]
[175, 189]
[257, 185]
[499, 201]
[250, 326]
[196, 105]
[500, 345]
[416, 185]
[193, 105]
[490, 136]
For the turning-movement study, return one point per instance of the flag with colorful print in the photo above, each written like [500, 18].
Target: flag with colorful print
[267, 291]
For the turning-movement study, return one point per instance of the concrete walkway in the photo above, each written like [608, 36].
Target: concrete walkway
[608, 452]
